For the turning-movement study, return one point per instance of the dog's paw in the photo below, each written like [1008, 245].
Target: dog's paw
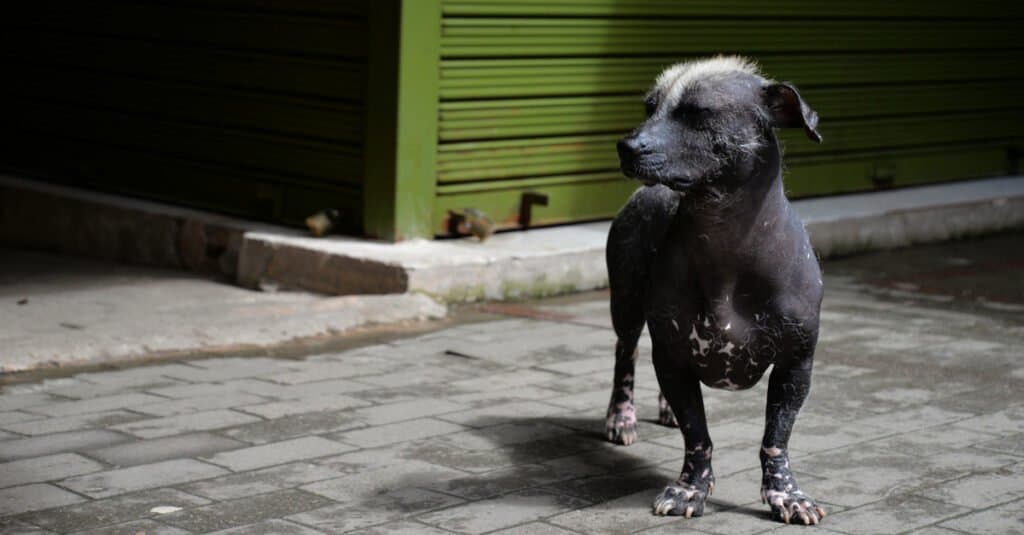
[792, 507]
[665, 415]
[682, 500]
[620, 426]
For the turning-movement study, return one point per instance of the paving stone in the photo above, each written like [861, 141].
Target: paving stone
[48, 468]
[297, 425]
[254, 386]
[893, 515]
[106, 403]
[255, 482]
[10, 526]
[370, 510]
[146, 476]
[13, 417]
[979, 491]
[184, 423]
[501, 512]
[367, 480]
[534, 528]
[224, 369]
[71, 423]
[405, 527]
[1013, 445]
[494, 483]
[508, 395]
[115, 382]
[511, 379]
[1007, 519]
[1003, 422]
[21, 448]
[162, 449]
[408, 410]
[251, 510]
[415, 376]
[269, 527]
[146, 527]
[319, 371]
[279, 409]
[500, 414]
[110, 511]
[382, 435]
[11, 402]
[622, 515]
[34, 497]
[224, 400]
[278, 453]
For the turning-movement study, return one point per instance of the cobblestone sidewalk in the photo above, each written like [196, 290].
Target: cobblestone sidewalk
[915, 421]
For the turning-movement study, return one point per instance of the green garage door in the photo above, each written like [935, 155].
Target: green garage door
[248, 107]
[534, 93]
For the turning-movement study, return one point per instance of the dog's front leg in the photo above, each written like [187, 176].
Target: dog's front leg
[787, 390]
[686, 496]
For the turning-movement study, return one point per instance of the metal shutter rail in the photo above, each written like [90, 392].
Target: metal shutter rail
[534, 93]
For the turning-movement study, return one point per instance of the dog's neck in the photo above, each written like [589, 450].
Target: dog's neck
[738, 225]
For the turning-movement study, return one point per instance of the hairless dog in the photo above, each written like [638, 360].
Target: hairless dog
[710, 254]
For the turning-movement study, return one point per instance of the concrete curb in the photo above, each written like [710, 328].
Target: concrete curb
[550, 261]
[513, 265]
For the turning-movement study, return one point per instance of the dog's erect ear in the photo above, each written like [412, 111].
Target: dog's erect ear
[788, 110]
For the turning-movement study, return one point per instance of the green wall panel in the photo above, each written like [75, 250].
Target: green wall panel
[534, 93]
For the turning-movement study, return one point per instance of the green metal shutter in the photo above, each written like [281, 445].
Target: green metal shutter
[534, 93]
[249, 107]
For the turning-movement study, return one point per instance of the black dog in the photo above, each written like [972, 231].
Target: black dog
[716, 261]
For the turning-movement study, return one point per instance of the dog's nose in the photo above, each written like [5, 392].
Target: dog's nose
[630, 146]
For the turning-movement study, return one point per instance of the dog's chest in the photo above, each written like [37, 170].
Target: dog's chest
[733, 352]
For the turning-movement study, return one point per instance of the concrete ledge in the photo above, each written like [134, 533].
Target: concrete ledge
[512, 265]
[557, 260]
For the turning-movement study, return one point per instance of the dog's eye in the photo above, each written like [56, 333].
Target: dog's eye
[650, 105]
[690, 113]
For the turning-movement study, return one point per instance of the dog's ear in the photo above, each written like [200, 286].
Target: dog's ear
[788, 110]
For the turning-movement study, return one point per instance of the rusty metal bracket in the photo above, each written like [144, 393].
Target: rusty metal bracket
[526, 206]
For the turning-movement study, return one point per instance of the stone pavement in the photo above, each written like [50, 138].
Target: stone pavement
[494, 424]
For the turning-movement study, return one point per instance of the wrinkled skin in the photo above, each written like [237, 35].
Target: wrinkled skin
[711, 257]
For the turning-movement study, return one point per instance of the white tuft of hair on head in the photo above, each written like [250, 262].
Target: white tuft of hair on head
[675, 80]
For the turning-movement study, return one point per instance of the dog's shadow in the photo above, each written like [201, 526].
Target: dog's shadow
[567, 457]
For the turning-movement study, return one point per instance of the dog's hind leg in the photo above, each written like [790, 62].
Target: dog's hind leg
[633, 241]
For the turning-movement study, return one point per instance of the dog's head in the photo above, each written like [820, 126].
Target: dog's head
[705, 118]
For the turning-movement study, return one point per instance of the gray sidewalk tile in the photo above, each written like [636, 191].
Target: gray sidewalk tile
[279, 409]
[1007, 519]
[255, 482]
[34, 497]
[619, 516]
[294, 426]
[298, 449]
[534, 528]
[893, 515]
[406, 410]
[48, 468]
[162, 449]
[94, 420]
[383, 435]
[501, 512]
[184, 423]
[269, 527]
[251, 510]
[20, 448]
[503, 413]
[9, 526]
[108, 511]
[374, 509]
[146, 527]
[146, 476]
[361, 480]
[980, 490]
[223, 400]
[247, 386]
[406, 527]
[106, 403]
[217, 370]
[11, 402]
[13, 417]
